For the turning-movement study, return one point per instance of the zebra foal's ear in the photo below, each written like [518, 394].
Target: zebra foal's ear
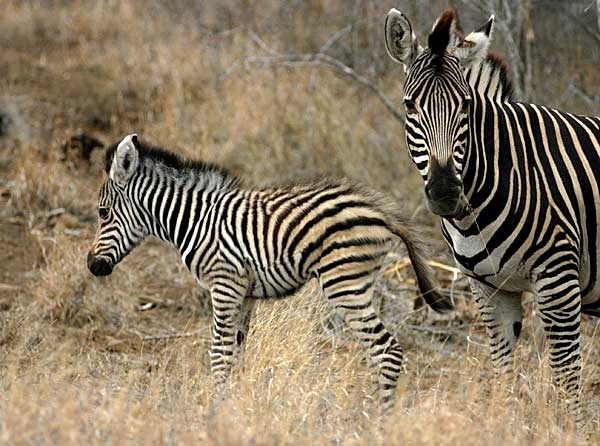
[400, 41]
[125, 159]
[475, 46]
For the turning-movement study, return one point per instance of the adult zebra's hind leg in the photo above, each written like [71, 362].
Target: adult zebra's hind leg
[349, 291]
[502, 315]
[559, 302]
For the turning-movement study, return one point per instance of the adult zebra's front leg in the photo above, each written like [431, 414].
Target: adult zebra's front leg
[559, 301]
[231, 319]
[502, 315]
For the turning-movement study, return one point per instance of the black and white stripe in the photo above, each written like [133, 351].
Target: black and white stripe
[517, 186]
[246, 244]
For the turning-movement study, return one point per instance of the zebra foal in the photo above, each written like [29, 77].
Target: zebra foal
[246, 244]
[517, 186]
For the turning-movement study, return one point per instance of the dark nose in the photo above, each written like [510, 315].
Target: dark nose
[443, 185]
[98, 266]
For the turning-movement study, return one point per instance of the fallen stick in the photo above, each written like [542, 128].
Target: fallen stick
[401, 264]
[8, 286]
[443, 266]
[186, 334]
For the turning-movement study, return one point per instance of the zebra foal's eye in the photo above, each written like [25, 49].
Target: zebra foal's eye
[103, 212]
[410, 106]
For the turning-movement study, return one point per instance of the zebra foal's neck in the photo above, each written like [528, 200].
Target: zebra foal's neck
[171, 193]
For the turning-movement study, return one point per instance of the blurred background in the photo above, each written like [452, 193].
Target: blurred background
[275, 91]
[262, 87]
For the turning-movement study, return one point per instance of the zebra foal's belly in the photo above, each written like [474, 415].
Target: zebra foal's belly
[275, 280]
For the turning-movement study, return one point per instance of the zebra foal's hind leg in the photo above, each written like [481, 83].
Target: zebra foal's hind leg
[245, 316]
[502, 315]
[349, 291]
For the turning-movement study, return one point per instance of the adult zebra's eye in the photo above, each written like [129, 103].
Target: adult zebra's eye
[465, 106]
[410, 107]
[103, 213]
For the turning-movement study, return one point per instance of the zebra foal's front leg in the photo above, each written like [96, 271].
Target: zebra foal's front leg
[231, 319]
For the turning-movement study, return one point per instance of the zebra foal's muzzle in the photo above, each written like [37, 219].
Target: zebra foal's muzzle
[444, 191]
[99, 266]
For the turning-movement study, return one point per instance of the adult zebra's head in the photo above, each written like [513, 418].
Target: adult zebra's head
[438, 99]
[121, 226]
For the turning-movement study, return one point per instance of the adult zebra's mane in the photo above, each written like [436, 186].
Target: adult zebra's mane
[182, 165]
[490, 77]
[489, 74]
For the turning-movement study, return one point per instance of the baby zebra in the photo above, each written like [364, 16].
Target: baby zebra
[247, 244]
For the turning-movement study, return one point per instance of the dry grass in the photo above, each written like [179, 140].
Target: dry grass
[75, 364]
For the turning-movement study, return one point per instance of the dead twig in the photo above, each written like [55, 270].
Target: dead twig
[403, 263]
[10, 287]
[187, 334]
[318, 60]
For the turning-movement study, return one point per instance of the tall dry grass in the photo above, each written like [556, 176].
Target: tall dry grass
[100, 383]
[78, 364]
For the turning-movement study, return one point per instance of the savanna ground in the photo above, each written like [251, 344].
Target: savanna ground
[123, 360]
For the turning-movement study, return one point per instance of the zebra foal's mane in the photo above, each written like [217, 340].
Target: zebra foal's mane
[158, 157]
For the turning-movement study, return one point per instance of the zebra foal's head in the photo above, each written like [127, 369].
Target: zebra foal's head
[121, 225]
[438, 99]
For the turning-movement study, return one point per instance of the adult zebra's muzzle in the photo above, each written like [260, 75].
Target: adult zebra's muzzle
[444, 191]
[99, 266]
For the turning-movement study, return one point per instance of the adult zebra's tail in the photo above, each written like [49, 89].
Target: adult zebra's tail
[436, 300]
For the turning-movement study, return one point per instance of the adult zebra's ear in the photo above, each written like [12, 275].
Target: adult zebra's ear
[475, 46]
[443, 32]
[400, 41]
[125, 160]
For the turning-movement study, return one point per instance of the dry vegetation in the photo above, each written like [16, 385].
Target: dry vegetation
[80, 361]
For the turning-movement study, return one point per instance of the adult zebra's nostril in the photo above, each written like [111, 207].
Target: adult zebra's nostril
[98, 266]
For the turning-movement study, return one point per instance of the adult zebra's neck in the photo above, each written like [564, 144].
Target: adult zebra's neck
[490, 88]
[483, 158]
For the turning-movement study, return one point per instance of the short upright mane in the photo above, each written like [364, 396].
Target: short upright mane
[169, 159]
[490, 77]
[440, 35]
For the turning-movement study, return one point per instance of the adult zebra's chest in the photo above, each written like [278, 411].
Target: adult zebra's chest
[477, 259]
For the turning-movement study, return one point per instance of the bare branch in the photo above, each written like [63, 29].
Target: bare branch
[598, 13]
[335, 37]
[589, 31]
[188, 334]
[318, 60]
[590, 101]
[261, 43]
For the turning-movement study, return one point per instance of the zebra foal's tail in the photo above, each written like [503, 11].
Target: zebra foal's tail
[437, 301]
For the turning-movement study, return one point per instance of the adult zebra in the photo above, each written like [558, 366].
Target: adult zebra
[246, 244]
[516, 186]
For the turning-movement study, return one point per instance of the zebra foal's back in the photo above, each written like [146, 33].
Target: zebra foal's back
[292, 233]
